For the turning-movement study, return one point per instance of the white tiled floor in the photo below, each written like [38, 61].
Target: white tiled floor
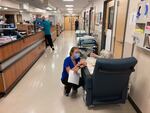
[40, 91]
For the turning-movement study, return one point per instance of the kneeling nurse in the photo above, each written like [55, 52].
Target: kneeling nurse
[74, 63]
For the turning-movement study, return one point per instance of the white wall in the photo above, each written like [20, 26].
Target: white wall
[28, 15]
[140, 80]
[8, 3]
[98, 7]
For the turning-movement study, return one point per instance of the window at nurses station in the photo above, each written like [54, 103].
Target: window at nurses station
[111, 17]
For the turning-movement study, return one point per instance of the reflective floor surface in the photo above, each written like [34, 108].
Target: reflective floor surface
[40, 91]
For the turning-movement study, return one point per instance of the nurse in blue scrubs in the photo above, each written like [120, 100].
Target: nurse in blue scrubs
[73, 62]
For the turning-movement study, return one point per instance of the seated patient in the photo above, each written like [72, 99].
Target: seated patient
[103, 54]
[73, 62]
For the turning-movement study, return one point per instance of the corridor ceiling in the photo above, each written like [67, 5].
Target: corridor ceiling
[79, 5]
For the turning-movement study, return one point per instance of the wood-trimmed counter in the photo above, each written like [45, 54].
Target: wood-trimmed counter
[17, 57]
[12, 48]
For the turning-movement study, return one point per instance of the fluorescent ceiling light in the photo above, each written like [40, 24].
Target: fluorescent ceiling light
[67, 14]
[48, 8]
[70, 12]
[68, 0]
[74, 14]
[69, 9]
[5, 8]
[20, 11]
[69, 5]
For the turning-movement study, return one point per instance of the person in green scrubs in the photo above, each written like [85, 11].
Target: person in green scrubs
[46, 24]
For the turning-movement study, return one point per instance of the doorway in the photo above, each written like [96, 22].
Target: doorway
[70, 22]
[10, 18]
[19, 18]
[114, 26]
[108, 22]
[121, 20]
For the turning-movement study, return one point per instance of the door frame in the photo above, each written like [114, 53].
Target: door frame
[125, 27]
[84, 20]
[90, 17]
[103, 39]
[65, 22]
[70, 20]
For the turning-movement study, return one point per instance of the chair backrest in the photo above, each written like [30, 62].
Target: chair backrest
[111, 76]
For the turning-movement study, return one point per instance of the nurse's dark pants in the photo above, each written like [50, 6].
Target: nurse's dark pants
[69, 86]
[48, 39]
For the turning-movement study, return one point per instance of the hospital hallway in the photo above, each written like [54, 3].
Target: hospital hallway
[41, 91]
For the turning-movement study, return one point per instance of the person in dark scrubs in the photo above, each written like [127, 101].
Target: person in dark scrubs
[76, 24]
[73, 62]
[47, 30]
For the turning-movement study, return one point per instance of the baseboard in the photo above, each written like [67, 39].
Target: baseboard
[134, 105]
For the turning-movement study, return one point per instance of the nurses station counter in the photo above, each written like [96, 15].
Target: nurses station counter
[17, 57]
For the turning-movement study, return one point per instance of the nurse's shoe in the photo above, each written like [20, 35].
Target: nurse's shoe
[65, 93]
[53, 48]
[74, 93]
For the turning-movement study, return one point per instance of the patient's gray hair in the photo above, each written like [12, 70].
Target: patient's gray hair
[106, 54]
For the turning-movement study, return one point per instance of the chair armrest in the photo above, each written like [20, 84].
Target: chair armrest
[87, 78]
[87, 73]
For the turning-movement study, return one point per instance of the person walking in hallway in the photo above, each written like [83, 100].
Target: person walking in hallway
[46, 26]
[74, 63]
[77, 24]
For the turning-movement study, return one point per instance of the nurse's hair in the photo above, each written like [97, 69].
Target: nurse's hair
[72, 50]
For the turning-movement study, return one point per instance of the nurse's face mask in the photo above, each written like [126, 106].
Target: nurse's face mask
[76, 54]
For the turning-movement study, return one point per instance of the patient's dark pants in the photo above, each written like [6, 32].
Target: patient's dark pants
[69, 86]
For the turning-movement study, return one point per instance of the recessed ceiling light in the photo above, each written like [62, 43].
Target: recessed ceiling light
[70, 12]
[69, 9]
[68, 0]
[20, 11]
[69, 5]
[0, 7]
[74, 14]
[5, 8]
[67, 14]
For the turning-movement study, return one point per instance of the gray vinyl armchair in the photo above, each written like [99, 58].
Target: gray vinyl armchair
[109, 82]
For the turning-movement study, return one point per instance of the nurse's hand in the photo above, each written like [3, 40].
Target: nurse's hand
[41, 28]
[76, 68]
[82, 63]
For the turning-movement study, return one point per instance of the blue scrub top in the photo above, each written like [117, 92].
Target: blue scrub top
[38, 22]
[68, 62]
[47, 27]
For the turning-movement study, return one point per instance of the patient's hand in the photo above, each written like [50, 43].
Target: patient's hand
[93, 55]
